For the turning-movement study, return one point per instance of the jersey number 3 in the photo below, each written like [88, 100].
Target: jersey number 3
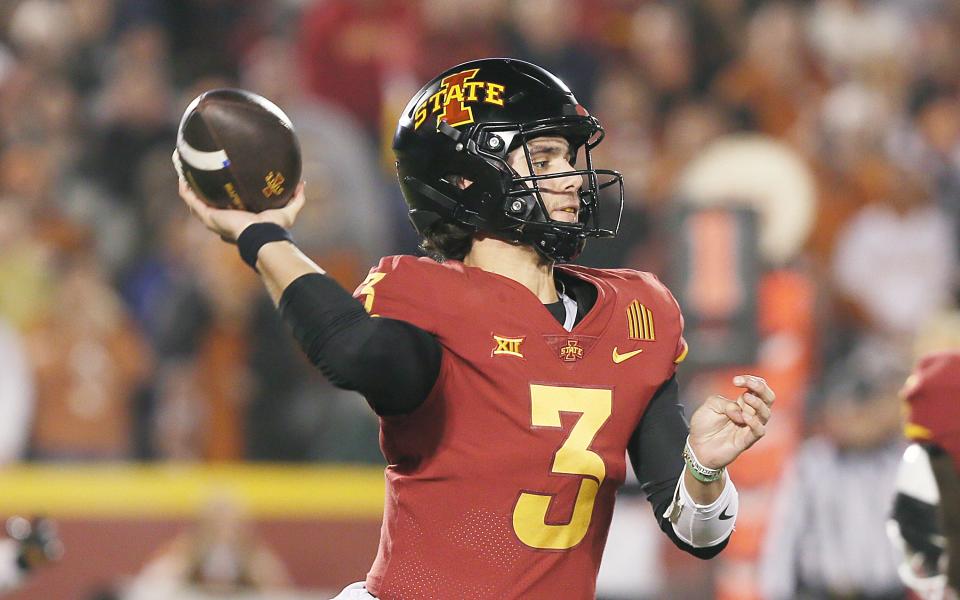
[573, 458]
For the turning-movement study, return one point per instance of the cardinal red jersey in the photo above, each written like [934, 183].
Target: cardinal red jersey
[501, 484]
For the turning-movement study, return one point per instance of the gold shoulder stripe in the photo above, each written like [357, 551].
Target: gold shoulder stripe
[640, 322]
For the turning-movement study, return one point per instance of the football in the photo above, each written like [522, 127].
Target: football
[238, 150]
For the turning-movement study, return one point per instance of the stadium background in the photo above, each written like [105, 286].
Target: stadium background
[792, 169]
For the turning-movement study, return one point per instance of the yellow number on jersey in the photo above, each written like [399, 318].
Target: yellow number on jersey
[366, 289]
[573, 458]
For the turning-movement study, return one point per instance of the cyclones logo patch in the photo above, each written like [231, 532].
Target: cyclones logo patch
[573, 351]
[451, 102]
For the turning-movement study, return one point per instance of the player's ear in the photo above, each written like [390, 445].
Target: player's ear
[517, 160]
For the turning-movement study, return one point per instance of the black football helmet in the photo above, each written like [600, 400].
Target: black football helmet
[466, 121]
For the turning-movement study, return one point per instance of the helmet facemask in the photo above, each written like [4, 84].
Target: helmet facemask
[523, 215]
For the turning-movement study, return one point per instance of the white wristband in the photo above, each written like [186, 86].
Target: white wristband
[699, 471]
[701, 525]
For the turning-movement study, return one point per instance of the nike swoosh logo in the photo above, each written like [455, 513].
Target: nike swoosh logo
[724, 516]
[619, 358]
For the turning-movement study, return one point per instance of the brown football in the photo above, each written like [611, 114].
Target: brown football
[238, 150]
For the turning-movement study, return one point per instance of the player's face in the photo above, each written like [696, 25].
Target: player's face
[551, 154]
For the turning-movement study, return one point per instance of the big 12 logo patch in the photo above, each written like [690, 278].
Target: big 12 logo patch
[457, 91]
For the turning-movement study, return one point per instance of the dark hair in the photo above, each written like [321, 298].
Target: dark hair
[447, 240]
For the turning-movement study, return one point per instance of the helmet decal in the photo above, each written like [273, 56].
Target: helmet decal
[452, 99]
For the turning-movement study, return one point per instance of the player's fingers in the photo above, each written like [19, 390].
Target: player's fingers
[299, 199]
[732, 410]
[177, 165]
[757, 385]
[189, 197]
[753, 422]
[746, 406]
[197, 206]
[286, 215]
[757, 406]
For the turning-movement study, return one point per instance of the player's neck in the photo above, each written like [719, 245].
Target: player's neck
[519, 262]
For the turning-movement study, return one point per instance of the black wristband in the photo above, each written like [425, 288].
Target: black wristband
[255, 236]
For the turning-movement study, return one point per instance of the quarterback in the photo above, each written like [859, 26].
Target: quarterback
[509, 384]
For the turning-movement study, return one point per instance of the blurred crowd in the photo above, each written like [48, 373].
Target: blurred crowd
[127, 332]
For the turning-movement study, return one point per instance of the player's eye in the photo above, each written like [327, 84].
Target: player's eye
[540, 164]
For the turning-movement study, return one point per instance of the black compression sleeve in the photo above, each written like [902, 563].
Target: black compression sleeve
[656, 451]
[392, 363]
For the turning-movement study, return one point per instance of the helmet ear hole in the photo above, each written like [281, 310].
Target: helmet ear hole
[458, 181]
[520, 207]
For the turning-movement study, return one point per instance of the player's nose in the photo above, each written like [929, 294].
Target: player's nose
[564, 184]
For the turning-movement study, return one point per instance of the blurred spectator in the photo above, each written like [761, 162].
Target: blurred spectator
[847, 35]
[207, 37]
[661, 46]
[344, 57]
[624, 100]
[134, 108]
[774, 82]
[826, 537]
[89, 360]
[455, 31]
[16, 396]
[220, 555]
[896, 257]
[687, 131]
[718, 30]
[544, 33]
[294, 413]
[40, 30]
[25, 266]
[929, 144]
[203, 347]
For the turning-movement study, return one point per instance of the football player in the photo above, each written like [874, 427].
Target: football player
[925, 524]
[509, 385]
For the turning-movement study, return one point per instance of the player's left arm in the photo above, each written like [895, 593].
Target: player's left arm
[656, 453]
[698, 516]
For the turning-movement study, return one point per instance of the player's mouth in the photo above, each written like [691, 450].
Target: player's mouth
[566, 214]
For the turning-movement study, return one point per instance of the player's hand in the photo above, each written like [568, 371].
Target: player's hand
[721, 428]
[229, 223]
